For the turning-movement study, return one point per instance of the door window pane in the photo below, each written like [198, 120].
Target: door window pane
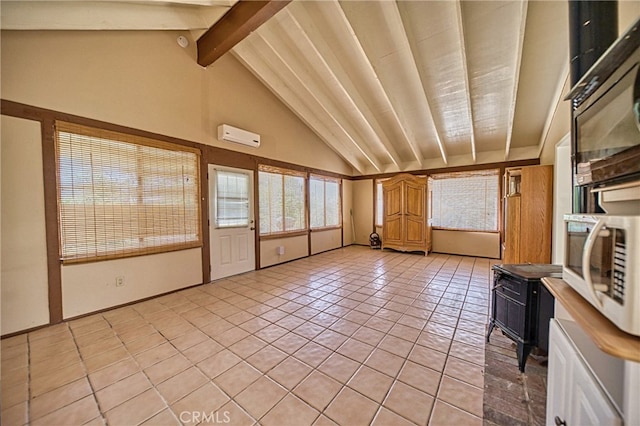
[232, 199]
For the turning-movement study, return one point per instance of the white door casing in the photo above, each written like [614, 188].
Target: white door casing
[231, 221]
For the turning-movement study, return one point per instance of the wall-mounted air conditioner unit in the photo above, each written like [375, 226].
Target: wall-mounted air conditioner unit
[233, 134]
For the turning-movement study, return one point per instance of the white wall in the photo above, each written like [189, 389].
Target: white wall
[91, 287]
[145, 80]
[325, 240]
[294, 248]
[562, 194]
[482, 244]
[347, 212]
[25, 297]
[363, 210]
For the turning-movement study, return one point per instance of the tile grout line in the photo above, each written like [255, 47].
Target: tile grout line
[29, 384]
[350, 377]
[406, 358]
[390, 294]
[84, 368]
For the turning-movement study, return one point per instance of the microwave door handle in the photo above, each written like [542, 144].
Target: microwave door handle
[586, 262]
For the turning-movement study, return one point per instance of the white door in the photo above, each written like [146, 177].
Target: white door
[231, 221]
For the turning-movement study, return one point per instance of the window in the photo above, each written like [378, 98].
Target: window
[121, 195]
[379, 202]
[232, 199]
[465, 200]
[282, 200]
[324, 202]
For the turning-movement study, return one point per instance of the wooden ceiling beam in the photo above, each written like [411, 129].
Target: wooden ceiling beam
[240, 21]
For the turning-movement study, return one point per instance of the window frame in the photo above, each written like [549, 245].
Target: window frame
[262, 168]
[117, 137]
[325, 180]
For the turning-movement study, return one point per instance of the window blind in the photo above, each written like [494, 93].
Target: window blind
[121, 195]
[281, 194]
[465, 200]
[324, 202]
[379, 202]
[232, 199]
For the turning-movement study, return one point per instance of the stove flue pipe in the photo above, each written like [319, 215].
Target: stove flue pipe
[593, 26]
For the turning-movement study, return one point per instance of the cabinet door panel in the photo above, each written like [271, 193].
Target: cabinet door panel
[415, 202]
[574, 395]
[515, 317]
[501, 309]
[590, 405]
[559, 376]
[512, 231]
[393, 231]
[392, 225]
[393, 200]
[414, 231]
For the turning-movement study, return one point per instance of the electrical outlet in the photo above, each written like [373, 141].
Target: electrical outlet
[119, 281]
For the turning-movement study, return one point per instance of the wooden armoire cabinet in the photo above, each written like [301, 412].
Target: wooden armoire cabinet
[528, 214]
[405, 225]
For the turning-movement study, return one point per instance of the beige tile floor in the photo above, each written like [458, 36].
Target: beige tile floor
[352, 336]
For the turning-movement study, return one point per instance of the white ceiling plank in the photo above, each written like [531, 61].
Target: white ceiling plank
[335, 42]
[492, 31]
[514, 97]
[463, 49]
[403, 125]
[315, 91]
[435, 40]
[541, 68]
[296, 92]
[372, 129]
[406, 38]
[325, 82]
[252, 60]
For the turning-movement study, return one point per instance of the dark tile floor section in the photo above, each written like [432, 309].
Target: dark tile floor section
[511, 397]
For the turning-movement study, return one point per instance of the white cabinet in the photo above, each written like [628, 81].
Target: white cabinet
[576, 394]
[558, 377]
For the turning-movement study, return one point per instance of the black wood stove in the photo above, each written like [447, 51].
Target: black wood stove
[522, 306]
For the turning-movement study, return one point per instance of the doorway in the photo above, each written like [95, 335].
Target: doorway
[231, 221]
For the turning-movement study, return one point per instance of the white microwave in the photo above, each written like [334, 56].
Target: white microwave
[602, 263]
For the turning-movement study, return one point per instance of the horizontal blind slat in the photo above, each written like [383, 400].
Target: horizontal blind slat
[465, 200]
[122, 195]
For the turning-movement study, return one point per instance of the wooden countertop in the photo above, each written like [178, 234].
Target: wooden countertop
[609, 338]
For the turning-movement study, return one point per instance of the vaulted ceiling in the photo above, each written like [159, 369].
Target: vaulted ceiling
[389, 85]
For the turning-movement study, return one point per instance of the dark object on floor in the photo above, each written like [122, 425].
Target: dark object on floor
[522, 307]
[374, 240]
